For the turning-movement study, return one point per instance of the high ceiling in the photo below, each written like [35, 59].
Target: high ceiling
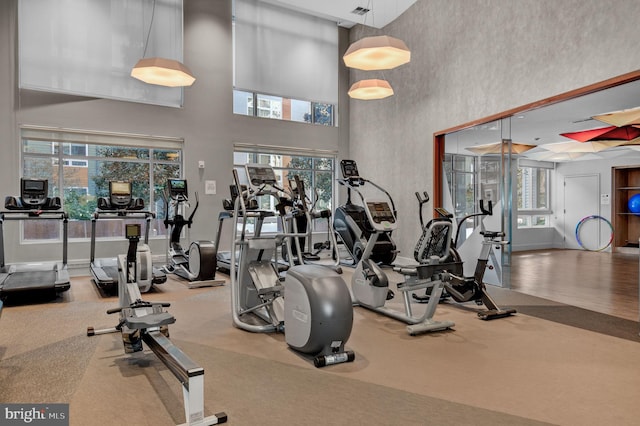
[381, 12]
[537, 127]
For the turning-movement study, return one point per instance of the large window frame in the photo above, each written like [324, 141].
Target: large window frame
[317, 170]
[146, 161]
[282, 108]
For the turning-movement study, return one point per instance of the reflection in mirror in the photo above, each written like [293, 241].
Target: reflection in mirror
[556, 177]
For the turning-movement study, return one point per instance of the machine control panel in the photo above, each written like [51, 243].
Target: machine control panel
[380, 215]
[261, 174]
[177, 188]
[120, 194]
[33, 191]
[349, 169]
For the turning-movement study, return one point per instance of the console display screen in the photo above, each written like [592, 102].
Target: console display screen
[132, 230]
[380, 212]
[177, 186]
[121, 188]
[349, 168]
[31, 185]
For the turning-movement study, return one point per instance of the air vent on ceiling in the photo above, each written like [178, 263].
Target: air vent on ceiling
[360, 10]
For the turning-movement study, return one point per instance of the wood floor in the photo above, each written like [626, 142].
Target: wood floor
[602, 282]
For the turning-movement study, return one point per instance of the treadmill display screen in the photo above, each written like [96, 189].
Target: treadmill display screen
[37, 186]
[120, 188]
[34, 191]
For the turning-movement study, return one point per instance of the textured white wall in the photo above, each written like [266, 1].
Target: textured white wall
[471, 59]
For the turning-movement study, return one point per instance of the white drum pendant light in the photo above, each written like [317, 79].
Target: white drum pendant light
[161, 71]
[370, 89]
[377, 53]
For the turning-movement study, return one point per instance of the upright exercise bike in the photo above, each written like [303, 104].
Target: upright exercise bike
[147, 322]
[310, 303]
[198, 264]
[469, 289]
[352, 224]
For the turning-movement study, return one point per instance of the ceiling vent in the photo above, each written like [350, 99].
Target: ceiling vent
[360, 11]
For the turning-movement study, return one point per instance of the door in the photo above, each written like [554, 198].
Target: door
[582, 199]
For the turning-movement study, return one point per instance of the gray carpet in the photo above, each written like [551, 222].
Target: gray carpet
[585, 319]
[327, 398]
[46, 357]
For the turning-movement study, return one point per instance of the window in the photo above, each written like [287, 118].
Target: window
[533, 195]
[461, 176]
[269, 107]
[85, 169]
[280, 108]
[316, 171]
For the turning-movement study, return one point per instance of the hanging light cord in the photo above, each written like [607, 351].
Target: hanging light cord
[146, 43]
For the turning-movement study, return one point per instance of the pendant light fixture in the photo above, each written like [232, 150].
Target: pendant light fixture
[375, 53]
[161, 71]
[370, 89]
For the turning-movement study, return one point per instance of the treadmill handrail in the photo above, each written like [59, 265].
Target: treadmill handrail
[33, 214]
[118, 214]
[41, 215]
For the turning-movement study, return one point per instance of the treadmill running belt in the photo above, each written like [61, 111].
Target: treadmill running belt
[30, 280]
[111, 271]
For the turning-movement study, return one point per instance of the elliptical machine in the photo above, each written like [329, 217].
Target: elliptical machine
[198, 265]
[352, 224]
[301, 217]
[468, 289]
[316, 315]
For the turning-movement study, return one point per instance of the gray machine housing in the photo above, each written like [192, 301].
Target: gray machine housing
[311, 303]
[316, 307]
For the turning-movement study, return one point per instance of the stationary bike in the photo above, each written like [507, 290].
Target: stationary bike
[141, 321]
[469, 289]
[198, 265]
[370, 285]
[351, 222]
[310, 303]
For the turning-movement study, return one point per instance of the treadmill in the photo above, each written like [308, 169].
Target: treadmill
[120, 205]
[45, 277]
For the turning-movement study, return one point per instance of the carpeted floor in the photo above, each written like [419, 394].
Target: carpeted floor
[550, 364]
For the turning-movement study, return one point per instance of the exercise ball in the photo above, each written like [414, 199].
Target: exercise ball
[634, 204]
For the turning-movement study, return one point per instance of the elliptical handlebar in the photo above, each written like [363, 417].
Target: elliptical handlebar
[193, 212]
[422, 201]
